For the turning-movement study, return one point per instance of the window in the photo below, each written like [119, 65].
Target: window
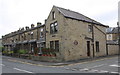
[42, 45]
[57, 45]
[54, 45]
[109, 37]
[51, 44]
[31, 35]
[24, 37]
[54, 27]
[53, 15]
[89, 28]
[97, 46]
[41, 32]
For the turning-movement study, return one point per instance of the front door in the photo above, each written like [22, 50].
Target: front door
[88, 48]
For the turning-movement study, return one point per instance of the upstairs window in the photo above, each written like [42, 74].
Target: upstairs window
[109, 36]
[90, 28]
[56, 26]
[41, 33]
[53, 15]
[53, 27]
[31, 35]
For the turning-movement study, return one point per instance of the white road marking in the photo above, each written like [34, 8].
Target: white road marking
[103, 71]
[97, 66]
[22, 70]
[2, 64]
[85, 69]
[73, 69]
[114, 72]
[94, 71]
[114, 65]
[67, 68]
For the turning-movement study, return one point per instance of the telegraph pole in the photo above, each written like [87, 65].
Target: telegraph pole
[93, 39]
[118, 37]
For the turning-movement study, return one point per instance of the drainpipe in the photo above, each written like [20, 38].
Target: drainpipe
[93, 39]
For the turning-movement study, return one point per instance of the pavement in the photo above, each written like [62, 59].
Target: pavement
[54, 64]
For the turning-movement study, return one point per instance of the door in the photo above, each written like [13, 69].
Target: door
[88, 48]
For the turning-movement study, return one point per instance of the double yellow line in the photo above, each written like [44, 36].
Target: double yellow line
[61, 65]
[31, 63]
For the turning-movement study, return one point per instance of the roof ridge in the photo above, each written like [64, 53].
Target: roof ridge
[79, 14]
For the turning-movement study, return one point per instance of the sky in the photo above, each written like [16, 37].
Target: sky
[15, 14]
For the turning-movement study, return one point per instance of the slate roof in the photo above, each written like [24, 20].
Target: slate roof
[20, 32]
[75, 15]
[113, 30]
[112, 42]
[109, 29]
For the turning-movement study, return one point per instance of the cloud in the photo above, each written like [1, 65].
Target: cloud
[109, 18]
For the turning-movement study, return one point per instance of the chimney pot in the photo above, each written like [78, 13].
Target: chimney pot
[39, 23]
[22, 29]
[27, 27]
[45, 20]
[32, 25]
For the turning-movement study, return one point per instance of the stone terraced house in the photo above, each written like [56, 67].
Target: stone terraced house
[72, 35]
[28, 39]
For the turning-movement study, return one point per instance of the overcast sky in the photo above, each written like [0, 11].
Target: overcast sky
[20, 13]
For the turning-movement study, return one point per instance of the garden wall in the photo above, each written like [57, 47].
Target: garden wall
[112, 49]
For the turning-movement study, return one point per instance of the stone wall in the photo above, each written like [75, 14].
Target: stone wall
[112, 49]
[72, 37]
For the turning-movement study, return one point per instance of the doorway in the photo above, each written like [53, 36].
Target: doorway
[88, 48]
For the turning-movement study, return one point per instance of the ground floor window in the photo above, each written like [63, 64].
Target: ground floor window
[54, 45]
[42, 45]
[51, 44]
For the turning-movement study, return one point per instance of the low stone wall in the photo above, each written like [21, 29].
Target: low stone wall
[45, 58]
[112, 49]
[36, 58]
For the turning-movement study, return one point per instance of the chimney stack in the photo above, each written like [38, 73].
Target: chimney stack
[45, 21]
[27, 27]
[22, 29]
[32, 25]
[39, 23]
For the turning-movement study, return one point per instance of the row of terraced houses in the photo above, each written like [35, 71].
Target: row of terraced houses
[72, 35]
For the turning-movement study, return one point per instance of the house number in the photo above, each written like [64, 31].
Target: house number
[76, 42]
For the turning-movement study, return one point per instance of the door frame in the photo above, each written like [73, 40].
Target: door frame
[88, 48]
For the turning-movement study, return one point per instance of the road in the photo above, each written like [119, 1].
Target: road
[102, 65]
